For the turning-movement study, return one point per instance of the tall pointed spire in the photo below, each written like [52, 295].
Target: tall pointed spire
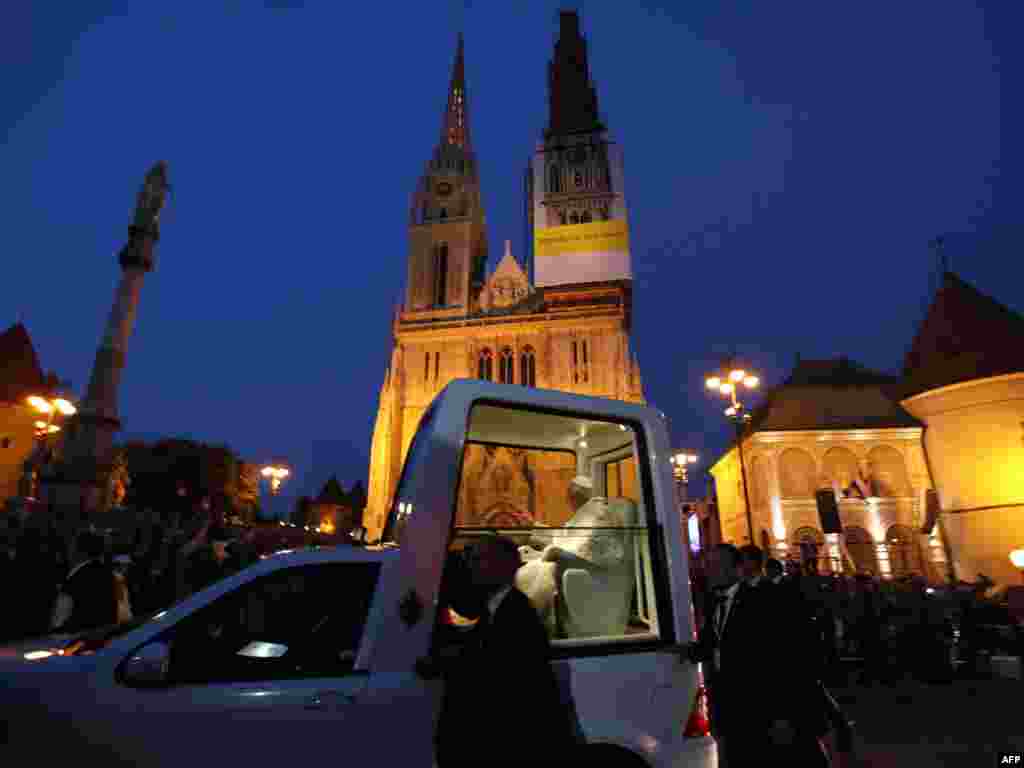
[573, 98]
[455, 126]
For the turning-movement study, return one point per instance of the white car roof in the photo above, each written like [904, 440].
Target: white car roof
[468, 390]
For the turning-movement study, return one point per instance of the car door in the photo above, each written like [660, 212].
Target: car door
[259, 674]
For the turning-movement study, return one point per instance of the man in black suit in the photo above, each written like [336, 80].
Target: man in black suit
[795, 687]
[500, 687]
[731, 645]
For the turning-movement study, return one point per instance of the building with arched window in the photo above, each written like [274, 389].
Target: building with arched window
[964, 378]
[837, 426]
[568, 328]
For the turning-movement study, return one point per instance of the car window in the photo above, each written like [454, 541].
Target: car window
[569, 491]
[305, 621]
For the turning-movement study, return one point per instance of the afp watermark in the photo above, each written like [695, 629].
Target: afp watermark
[1011, 758]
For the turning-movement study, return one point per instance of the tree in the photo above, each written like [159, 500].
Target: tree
[173, 473]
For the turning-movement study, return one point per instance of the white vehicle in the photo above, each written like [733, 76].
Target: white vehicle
[311, 655]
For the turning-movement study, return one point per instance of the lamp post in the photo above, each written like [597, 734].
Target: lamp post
[726, 383]
[276, 474]
[680, 462]
[50, 404]
[1017, 558]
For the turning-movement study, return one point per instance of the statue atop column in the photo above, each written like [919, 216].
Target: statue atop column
[79, 477]
[145, 226]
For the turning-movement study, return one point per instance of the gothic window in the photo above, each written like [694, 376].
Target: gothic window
[554, 180]
[426, 368]
[585, 218]
[583, 344]
[505, 367]
[485, 365]
[527, 368]
[574, 218]
[441, 274]
[797, 475]
[437, 364]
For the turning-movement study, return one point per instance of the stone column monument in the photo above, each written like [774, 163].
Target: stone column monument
[75, 483]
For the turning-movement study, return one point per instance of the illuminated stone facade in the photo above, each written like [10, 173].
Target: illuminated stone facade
[965, 381]
[20, 376]
[458, 322]
[831, 424]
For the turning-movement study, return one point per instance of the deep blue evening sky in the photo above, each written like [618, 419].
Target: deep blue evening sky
[786, 165]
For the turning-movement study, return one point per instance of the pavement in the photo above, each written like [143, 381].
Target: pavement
[966, 723]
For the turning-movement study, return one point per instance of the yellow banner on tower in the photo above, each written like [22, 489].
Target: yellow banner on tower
[597, 236]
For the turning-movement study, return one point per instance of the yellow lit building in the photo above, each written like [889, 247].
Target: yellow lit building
[20, 377]
[965, 381]
[565, 327]
[838, 426]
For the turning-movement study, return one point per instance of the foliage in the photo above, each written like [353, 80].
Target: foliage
[174, 471]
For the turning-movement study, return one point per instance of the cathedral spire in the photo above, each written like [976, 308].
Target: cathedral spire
[572, 96]
[455, 126]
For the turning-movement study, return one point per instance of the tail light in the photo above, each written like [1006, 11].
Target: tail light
[698, 725]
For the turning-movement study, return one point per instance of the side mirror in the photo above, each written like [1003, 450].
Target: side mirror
[149, 666]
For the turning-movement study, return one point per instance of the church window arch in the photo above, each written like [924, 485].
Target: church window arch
[506, 367]
[440, 274]
[528, 367]
[888, 472]
[839, 468]
[485, 365]
[554, 179]
[797, 478]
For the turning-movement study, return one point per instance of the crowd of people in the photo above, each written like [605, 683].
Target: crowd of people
[785, 628]
[73, 583]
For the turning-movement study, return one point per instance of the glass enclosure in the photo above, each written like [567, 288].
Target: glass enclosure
[567, 490]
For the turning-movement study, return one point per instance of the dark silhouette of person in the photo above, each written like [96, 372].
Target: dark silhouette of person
[500, 676]
[731, 645]
[91, 586]
[797, 693]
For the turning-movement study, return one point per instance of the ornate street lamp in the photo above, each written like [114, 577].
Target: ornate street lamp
[275, 474]
[51, 404]
[680, 463]
[728, 383]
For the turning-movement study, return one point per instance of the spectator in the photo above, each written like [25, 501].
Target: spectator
[91, 586]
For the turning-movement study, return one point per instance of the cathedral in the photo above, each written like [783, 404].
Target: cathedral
[559, 320]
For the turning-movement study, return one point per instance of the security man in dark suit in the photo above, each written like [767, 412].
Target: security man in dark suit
[499, 684]
[730, 644]
[793, 684]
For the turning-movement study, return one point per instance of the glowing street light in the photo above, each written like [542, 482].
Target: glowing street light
[50, 406]
[728, 383]
[276, 474]
[1017, 558]
[680, 462]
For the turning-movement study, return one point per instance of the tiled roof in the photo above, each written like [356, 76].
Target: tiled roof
[20, 374]
[832, 394]
[965, 335]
